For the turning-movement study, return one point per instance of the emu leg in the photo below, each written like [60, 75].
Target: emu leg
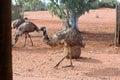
[59, 62]
[70, 56]
[25, 40]
[15, 41]
[30, 39]
[71, 61]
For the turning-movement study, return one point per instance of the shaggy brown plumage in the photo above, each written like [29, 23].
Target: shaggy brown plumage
[70, 38]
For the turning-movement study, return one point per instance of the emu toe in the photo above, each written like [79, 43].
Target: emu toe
[68, 66]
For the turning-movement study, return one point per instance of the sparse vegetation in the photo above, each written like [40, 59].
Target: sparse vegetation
[19, 6]
[108, 3]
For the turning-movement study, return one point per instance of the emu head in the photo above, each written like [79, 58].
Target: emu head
[44, 30]
[45, 36]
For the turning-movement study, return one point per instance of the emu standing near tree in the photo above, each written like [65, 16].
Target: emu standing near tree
[25, 28]
[69, 38]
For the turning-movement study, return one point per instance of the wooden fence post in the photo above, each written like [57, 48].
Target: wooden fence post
[5, 40]
[117, 28]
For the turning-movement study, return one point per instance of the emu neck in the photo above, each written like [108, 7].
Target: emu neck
[45, 36]
[44, 33]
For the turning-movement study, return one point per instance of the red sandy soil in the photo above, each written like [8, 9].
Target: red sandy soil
[99, 61]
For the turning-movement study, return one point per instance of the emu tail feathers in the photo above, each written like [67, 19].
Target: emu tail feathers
[36, 28]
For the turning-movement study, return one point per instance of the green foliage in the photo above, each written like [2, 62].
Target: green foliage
[37, 5]
[63, 8]
[30, 4]
[95, 5]
[15, 12]
[19, 6]
[108, 3]
[14, 15]
[57, 9]
[69, 10]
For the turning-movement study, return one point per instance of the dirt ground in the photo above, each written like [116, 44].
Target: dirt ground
[99, 60]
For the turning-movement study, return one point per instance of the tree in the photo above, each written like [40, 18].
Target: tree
[18, 7]
[70, 10]
[37, 5]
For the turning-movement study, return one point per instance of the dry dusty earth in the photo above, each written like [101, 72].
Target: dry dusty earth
[99, 61]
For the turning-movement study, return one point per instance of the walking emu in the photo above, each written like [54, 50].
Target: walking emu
[25, 28]
[68, 38]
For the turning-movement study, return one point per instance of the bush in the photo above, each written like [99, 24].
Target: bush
[108, 3]
[104, 3]
[95, 5]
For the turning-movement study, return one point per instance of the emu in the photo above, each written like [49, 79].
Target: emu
[69, 37]
[16, 23]
[25, 28]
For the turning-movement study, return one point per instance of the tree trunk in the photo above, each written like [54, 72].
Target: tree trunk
[73, 20]
[117, 28]
[5, 41]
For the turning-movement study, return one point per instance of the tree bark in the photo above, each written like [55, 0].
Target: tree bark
[5, 41]
[73, 20]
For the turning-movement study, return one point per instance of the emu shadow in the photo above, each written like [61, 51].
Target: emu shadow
[100, 37]
[104, 72]
[32, 50]
[89, 60]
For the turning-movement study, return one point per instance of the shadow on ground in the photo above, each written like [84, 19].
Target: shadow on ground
[104, 72]
[89, 60]
[101, 37]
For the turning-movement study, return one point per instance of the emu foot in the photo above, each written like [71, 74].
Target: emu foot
[56, 66]
[68, 66]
